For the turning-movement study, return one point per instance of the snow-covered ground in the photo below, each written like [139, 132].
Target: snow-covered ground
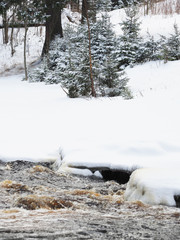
[35, 41]
[38, 122]
[156, 25]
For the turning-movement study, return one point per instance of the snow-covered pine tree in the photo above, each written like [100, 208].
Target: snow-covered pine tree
[130, 42]
[150, 50]
[163, 49]
[69, 64]
[173, 44]
[76, 75]
[104, 48]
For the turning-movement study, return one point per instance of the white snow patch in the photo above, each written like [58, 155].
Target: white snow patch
[156, 25]
[154, 186]
[35, 40]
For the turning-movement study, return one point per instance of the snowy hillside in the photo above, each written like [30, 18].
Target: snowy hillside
[39, 122]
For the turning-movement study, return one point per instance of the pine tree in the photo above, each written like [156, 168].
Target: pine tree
[163, 49]
[173, 43]
[150, 50]
[68, 62]
[76, 77]
[130, 42]
[170, 47]
[104, 50]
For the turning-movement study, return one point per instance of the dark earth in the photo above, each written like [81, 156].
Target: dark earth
[37, 202]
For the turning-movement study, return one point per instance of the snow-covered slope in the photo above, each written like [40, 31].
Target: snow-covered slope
[156, 25]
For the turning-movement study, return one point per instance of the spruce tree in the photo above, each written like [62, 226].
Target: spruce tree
[170, 46]
[173, 43]
[104, 50]
[68, 62]
[150, 50]
[76, 76]
[130, 42]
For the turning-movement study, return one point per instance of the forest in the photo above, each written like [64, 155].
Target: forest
[88, 59]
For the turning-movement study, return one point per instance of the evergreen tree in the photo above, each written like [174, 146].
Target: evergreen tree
[170, 47]
[150, 50]
[130, 42]
[76, 75]
[104, 51]
[163, 49]
[173, 45]
[68, 62]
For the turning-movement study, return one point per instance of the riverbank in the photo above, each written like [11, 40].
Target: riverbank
[39, 203]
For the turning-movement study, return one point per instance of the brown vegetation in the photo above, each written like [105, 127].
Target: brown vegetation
[33, 202]
[8, 184]
[39, 168]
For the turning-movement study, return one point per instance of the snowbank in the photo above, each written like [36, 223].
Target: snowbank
[154, 186]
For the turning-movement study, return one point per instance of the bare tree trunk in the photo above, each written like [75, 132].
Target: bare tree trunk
[146, 7]
[88, 5]
[85, 7]
[12, 44]
[78, 3]
[12, 38]
[93, 92]
[5, 24]
[53, 26]
[25, 60]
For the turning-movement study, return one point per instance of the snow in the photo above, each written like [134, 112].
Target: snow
[156, 25]
[39, 123]
[154, 186]
[33, 48]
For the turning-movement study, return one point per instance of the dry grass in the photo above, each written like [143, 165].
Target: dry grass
[8, 184]
[116, 199]
[40, 169]
[137, 205]
[33, 202]
[90, 193]
[9, 211]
